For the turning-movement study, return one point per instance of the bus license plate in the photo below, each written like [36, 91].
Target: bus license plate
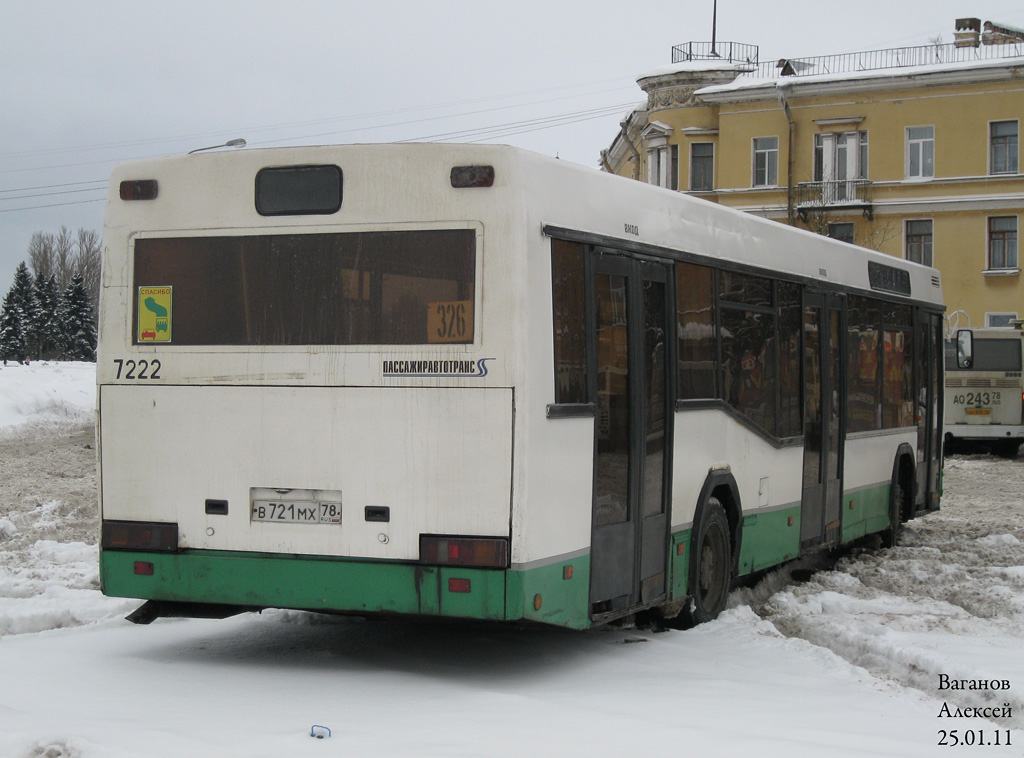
[296, 506]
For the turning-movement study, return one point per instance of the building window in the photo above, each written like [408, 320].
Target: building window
[663, 166]
[840, 156]
[842, 232]
[1003, 147]
[766, 161]
[702, 166]
[1000, 319]
[919, 242]
[1002, 242]
[920, 152]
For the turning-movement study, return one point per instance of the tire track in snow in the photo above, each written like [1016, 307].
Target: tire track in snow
[949, 595]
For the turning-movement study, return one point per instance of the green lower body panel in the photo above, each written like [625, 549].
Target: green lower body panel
[865, 511]
[769, 539]
[353, 586]
[679, 564]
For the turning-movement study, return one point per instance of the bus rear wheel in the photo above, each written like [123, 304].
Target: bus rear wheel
[1006, 448]
[710, 563]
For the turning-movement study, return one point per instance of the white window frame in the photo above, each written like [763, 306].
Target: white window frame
[1004, 318]
[662, 158]
[931, 243]
[771, 167]
[1015, 268]
[991, 156]
[918, 145]
[837, 161]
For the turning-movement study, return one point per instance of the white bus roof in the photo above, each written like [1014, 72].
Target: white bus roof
[409, 184]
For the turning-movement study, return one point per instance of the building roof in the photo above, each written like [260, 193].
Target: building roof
[934, 73]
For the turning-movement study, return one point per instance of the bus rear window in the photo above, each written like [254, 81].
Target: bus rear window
[356, 288]
[298, 190]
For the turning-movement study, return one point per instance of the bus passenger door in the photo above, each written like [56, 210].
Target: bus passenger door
[824, 389]
[629, 547]
[929, 347]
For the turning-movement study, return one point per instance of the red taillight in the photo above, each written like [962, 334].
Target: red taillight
[138, 189]
[484, 552]
[143, 568]
[138, 535]
[458, 585]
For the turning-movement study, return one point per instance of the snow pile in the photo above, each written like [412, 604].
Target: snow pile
[49, 576]
[949, 599]
[47, 391]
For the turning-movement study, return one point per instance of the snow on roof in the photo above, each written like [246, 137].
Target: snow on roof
[698, 67]
[747, 82]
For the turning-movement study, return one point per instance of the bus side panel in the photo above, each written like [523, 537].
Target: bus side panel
[865, 503]
[768, 479]
[770, 537]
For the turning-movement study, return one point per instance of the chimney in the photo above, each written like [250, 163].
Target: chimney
[968, 32]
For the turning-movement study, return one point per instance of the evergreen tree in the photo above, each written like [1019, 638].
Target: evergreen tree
[44, 329]
[78, 323]
[18, 306]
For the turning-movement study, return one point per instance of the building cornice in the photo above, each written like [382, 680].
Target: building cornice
[1013, 201]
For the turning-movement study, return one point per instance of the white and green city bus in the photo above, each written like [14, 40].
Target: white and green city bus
[475, 382]
[984, 403]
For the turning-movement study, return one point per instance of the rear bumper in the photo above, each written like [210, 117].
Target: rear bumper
[329, 584]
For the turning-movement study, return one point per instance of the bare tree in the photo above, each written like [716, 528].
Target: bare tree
[64, 258]
[65, 255]
[879, 233]
[87, 263]
[40, 254]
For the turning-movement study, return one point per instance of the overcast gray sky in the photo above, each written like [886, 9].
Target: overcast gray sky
[87, 84]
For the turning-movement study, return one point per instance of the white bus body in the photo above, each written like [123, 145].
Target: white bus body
[489, 408]
[984, 401]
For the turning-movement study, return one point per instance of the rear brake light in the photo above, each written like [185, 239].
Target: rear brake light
[139, 189]
[139, 535]
[143, 568]
[485, 552]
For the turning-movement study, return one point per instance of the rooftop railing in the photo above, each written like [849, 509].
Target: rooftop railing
[891, 58]
[843, 63]
[727, 52]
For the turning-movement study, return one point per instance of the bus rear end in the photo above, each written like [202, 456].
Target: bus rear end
[297, 407]
[984, 399]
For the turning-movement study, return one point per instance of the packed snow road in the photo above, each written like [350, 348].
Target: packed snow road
[882, 654]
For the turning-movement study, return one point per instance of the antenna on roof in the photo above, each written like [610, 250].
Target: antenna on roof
[714, 27]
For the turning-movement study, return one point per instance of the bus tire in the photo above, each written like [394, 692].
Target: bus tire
[900, 509]
[1006, 448]
[710, 563]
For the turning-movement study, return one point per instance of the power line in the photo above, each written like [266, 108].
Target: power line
[51, 186]
[353, 117]
[479, 134]
[51, 205]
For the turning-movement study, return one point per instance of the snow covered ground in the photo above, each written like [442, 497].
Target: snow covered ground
[843, 661]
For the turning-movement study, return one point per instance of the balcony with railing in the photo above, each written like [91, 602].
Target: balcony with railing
[834, 194]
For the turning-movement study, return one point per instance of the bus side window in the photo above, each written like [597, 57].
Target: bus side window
[569, 322]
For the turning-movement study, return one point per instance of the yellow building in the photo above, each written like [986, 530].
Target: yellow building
[911, 151]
